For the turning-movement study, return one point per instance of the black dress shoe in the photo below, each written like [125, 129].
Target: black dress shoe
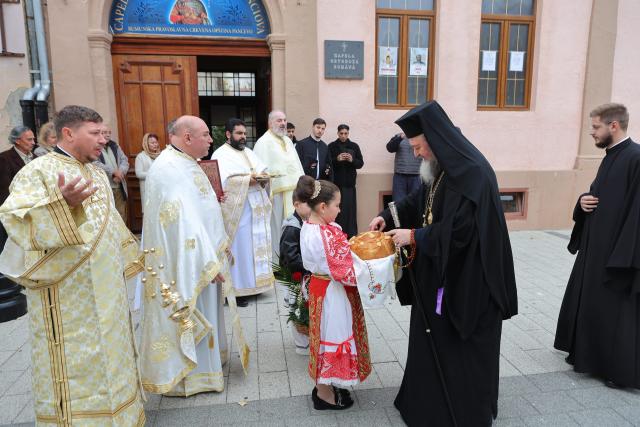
[242, 301]
[612, 384]
[346, 395]
[321, 405]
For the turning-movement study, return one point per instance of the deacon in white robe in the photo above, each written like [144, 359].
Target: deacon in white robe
[246, 212]
[184, 343]
[276, 150]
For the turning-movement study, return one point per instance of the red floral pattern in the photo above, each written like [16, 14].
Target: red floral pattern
[338, 252]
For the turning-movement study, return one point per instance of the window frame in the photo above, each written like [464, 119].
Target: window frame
[403, 45]
[4, 52]
[505, 22]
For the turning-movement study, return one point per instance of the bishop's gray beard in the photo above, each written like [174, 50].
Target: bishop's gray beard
[429, 169]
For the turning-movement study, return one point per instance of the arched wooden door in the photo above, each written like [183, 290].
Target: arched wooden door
[150, 91]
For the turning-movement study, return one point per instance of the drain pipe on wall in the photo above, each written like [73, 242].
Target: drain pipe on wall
[42, 97]
[26, 102]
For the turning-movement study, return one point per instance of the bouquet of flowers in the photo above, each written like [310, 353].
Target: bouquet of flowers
[297, 284]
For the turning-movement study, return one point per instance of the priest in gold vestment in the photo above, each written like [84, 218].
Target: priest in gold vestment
[246, 212]
[184, 343]
[70, 249]
[276, 150]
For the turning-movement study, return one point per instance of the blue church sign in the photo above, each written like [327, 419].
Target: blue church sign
[196, 18]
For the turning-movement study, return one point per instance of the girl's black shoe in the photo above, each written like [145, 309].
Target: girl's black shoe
[346, 395]
[321, 405]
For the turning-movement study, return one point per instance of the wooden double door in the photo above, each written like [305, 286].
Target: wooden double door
[150, 91]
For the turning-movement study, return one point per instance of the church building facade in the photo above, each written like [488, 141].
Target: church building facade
[519, 78]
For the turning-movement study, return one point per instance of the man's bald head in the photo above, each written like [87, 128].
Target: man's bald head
[192, 136]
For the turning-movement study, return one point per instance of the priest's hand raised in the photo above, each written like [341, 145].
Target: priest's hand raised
[588, 203]
[377, 224]
[73, 192]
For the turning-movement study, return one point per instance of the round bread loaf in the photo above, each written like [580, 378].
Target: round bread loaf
[372, 245]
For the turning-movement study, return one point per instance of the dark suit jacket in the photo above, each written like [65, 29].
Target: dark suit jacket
[10, 164]
[307, 149]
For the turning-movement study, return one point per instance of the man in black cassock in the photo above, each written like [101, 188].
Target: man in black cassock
[347, 159]
[599, 321]
[314, 153]
[463, 271]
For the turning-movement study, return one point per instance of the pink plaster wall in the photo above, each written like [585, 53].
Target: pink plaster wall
[544, 138]
[625, 87]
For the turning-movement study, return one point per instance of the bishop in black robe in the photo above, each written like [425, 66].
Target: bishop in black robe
[464, 277]
[599, 321]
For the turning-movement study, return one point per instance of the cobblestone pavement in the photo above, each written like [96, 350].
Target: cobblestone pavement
[536, 386]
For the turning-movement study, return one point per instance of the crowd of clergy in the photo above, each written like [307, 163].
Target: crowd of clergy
[293, 202]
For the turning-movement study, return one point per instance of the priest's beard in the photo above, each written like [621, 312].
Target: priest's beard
[604, 143]
[239, 144]
[429, 169]
[279, 131]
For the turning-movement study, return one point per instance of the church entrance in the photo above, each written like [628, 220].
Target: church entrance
[199, 57]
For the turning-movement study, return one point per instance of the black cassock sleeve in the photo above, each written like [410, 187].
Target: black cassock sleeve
[455, 246]
[576, 233]
[290, 255]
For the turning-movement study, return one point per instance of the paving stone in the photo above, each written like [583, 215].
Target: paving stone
[170, 402]
[271, 352]
[508, 422]
[555, 420]
[22, 385]
[274, 385]
[235, 413]
[390, 373]
[200, 416]
[513, 386]
[377, 398]
[300, 382]
[553, 381]
[296, 407]
[268, 319]
[553, 402]
[27, 415]
[380, 351]
[583, 380]
[630, 413]
[600, 418]
[377, 417]
[211, 398]
[507, 369]
[515, 406]
[7, 379]
[395, 419]
[549, 359]
[241, 386]
[598, 397]
[153, 402]
[19, 361]
[11, 406]
[519, 359]
[372, 381]
[387, 325]
[327, 420]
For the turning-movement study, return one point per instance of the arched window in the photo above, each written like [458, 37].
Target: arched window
[404, 52]
[506, 50]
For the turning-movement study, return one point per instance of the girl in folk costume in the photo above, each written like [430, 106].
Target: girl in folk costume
[338, 344]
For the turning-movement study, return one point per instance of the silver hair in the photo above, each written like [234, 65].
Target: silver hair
[273, 113]
[16, 133]
[171, 127]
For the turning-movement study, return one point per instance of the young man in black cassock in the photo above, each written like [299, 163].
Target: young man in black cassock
[599, 321]
[314, 153]
[463, 270]
[347, 159]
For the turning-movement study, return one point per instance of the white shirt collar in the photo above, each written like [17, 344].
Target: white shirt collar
[26, 158]
[619, 142]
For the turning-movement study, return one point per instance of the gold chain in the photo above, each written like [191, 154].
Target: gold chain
[428, 217]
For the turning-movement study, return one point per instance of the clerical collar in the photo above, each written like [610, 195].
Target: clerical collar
[618, 143]
[177, 148]
[59, 150]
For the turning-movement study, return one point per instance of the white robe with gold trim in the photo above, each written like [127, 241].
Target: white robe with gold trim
[73, 263]
[281, 158]
[185, 248]
[247, 213]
